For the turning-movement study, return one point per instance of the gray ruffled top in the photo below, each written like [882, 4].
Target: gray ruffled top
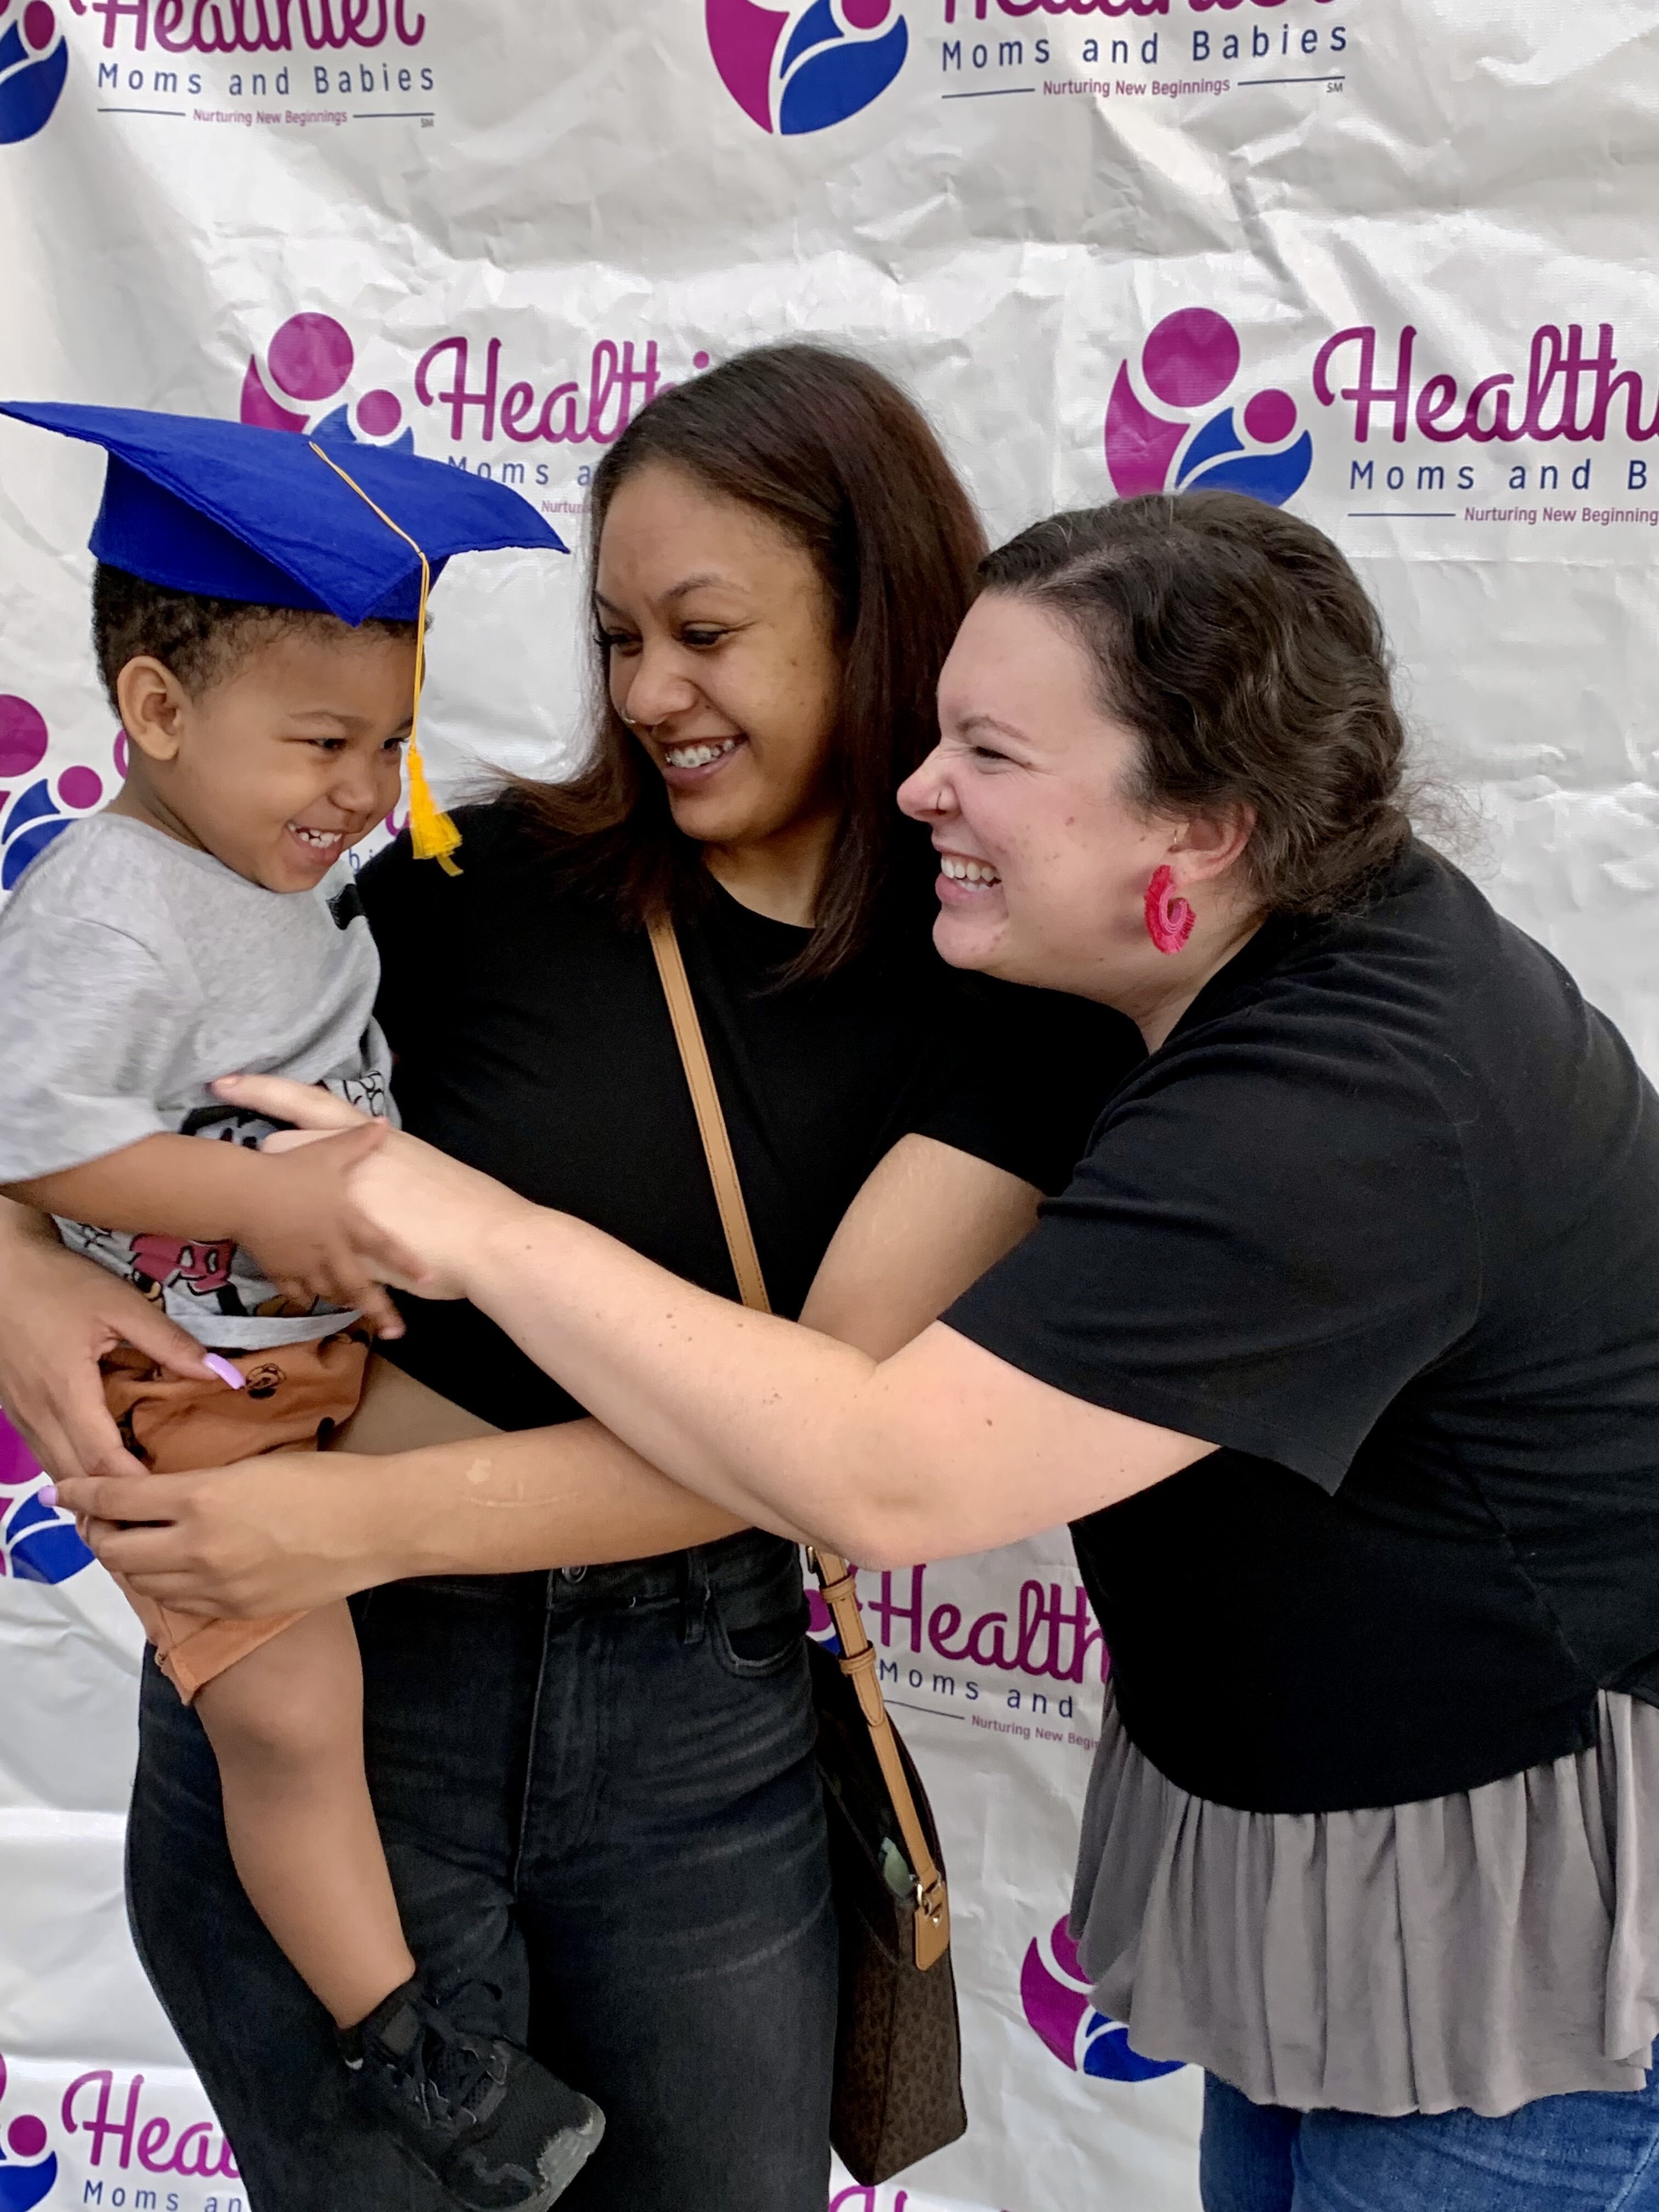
[1476, 1950]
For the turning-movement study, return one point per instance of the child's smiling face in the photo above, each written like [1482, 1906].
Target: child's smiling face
[282, 763]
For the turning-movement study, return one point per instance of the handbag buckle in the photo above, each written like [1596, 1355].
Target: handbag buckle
[933, 1924]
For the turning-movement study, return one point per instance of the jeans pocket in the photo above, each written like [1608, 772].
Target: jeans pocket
[758, 1627]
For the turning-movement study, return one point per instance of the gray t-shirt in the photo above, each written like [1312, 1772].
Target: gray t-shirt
[135, 969]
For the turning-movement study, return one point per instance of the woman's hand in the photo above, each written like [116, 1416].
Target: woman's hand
[277, 1533]
[302, 1224]
[437, 1210]
[59, 1314]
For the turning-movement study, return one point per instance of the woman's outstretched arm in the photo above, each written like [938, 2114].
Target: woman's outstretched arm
[299, 1529]
[940, 1448]
[295, 1530]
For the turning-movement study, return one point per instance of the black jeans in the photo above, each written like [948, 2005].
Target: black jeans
[598, 1794]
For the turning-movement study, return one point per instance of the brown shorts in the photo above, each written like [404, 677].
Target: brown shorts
[296, 1396]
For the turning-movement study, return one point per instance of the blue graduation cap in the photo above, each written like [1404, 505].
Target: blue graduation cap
[230, 511]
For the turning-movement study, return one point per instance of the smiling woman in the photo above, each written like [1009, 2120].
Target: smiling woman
[719, 640]
[765, 664]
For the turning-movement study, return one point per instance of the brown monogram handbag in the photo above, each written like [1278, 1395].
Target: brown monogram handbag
[898, 2053]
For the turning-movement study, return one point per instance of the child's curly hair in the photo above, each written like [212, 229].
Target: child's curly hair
[202, 639]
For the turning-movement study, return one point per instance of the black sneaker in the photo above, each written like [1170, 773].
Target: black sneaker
[492, 2127]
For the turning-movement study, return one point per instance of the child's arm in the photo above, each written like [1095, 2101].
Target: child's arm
[293, 1210]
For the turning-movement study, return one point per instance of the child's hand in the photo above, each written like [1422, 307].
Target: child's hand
[312, 1240]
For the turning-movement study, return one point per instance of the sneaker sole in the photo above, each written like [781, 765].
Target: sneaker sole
[561, 2161]
[558, 2165]
[564, 2159]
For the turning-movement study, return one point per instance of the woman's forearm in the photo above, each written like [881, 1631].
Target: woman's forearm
[569, 1495]
[928, 1220]
[940, 1447]
[293, 1529]
[767, 1418]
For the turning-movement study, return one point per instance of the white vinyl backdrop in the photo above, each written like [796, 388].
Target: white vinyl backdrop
[1389, 261]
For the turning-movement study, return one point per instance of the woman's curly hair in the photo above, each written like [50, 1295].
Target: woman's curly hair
[1241, 649]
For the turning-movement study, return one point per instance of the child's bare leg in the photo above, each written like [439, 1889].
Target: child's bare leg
[286, 1724]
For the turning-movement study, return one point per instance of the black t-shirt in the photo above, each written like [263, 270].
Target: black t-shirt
[533, 1042]
[1381, 1220]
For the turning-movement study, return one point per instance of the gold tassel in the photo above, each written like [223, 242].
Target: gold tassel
[432, 834]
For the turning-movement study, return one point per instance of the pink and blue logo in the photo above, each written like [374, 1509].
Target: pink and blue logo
[803, 67]
[301, 385]
[33, 64]
[1054, 1991]
[37, 1545]
[27, 2168]
[35, 809]
[1161, 436]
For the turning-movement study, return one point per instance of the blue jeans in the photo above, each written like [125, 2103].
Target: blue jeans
[598, 1794]
[1597, 2151]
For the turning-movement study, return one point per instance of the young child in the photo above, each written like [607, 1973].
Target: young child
[258, 619]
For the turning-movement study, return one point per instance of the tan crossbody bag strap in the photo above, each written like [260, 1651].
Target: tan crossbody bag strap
[857, 1658]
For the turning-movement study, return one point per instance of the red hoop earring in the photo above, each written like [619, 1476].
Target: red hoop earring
[1169, 919]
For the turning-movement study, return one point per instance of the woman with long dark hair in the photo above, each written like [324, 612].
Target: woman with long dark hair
[595, 1780]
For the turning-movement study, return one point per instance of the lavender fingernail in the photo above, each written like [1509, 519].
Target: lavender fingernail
[47, 1493]
[224, 1370]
